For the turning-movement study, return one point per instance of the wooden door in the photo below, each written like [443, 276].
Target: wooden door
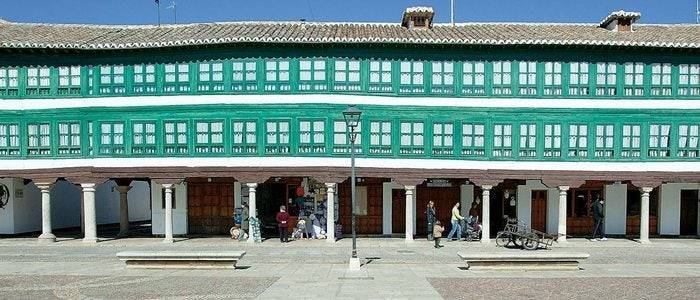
[539, 210]
[398, 211]
[210, 208]
[444, 199]
[689, 212]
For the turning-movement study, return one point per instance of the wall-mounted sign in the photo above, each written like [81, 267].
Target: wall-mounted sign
[4, 196]
[19, 193]
[439, 182]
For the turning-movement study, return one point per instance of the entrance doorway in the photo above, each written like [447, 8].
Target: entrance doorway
[209, 206]
[689, 212]
[444, 198]
[398, 211]
[539, 210]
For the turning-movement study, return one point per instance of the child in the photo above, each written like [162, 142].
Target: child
[437, 233]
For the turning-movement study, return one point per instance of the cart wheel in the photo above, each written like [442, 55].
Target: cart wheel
[530, 243]
[468, 238]
[502, 239]
[517, 240]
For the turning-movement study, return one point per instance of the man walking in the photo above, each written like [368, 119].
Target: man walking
[599, 217]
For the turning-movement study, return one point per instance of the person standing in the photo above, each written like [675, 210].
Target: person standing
[437, 233]
[599, 217]
[456, 227]
[430, 217]
[282, 220]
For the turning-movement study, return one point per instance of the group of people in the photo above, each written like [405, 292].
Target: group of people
[435, 227]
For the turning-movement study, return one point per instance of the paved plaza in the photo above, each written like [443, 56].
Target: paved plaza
[314, 269]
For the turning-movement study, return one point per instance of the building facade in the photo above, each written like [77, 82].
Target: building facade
[534, 121]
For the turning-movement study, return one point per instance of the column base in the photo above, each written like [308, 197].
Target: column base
[47, 238]
[330, 239]
[168, 240]
[644, 241]
[250, 240]
[90, 240]
[123, 234]
[485, 240]
[562, 239]
[354, 264]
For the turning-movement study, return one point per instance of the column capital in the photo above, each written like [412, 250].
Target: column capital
[330, 186]
[647, 190]
[486, 188]
[252, 185]
[44, 187]
[168, 187]
[563, 188]
[409, 187]
[88, 187]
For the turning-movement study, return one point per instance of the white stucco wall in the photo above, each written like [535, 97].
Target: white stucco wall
[524, 204]
[615, 209]
[387, 188]
[7, 217]
[466, 197]
[179, 213]
[670, 206]
[107, 202]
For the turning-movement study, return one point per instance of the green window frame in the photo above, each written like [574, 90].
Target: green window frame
[112, 138]
[91, 139]
[69, 138]
[502, 140]
[9, 139]
[474, 78]
[606, 79]
[659, 140]
[277, 75]
[578, 140]
[175, 135]
[689, 80]
[527, 78]
[412, 77]
[380, 76]
[443, 139]
[39, 139]
[380, 137]
[502, 78]
[473, 139]
[341, 138]
[604, 141]
[9, 81]
[579, 79]
[144, 78]
[277, 134]
[211, 76]
[312, 136]
[245, 139]
[112, 80]
[552, 140]
[177, 78]
[312, 75]
[634, 79]
[412, 138]
[38, 81]
[553, 79]
[661, 83]
[69, 80]
[443, 79]
[209, 137]
[346, 76]
[688, 145]
[528, 140]
[245, 76]
[143, 141]
[631, 141]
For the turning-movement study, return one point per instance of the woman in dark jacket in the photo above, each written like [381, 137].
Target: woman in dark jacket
[430, 217]
[282, 220]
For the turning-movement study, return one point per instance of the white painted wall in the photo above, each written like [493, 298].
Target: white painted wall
[65, 205]
[7, 216]
[179, 213]
[466, 197]
[524, 201]
[615, 209]
[107, 202]
[670, 207]
[387, 188]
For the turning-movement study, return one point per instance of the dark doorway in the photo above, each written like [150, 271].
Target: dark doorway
[444, 198]
[210, 206]
[539, 210]
[398, 211]
[269, 197]
[689, 212]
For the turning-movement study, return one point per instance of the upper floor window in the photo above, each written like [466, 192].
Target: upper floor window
[277, 75]
[502, 78]
[634, 79]
[688, 140]
[347, 76]
[210, 137]
[112, 138]
[9, 81]
[689, 80]
[144, 78]
[175, 137]
[312, 136]
[474, 78]
[211, 77]
[412, 77]
[604, 141]
[528, 140]
[443, 137]
[411, 138]
[579, 79]
[380, 137]
[443, 77]
[606, 82]
[473, 139]
[552, 78]
[659, 135]
[341, 138]
[143, 137]
[312, 75]
[552, 140]
[631, 141]
[38, 138]
[244, 76]
[9, 139]
[112, 79]
[69, 138]
[177, 78]
[661, 79]
[38, 81]
[244, 137]
[380, 76]
[578, 140]
[502, 140]
[69, 80]
[277, 141]
[527, 78]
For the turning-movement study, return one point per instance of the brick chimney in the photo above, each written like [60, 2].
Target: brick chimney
[620, 21]
[418, 17]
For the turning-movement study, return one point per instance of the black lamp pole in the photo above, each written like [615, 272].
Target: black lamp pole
[352, 120]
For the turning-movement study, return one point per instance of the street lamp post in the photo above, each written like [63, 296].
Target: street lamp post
[352, 120]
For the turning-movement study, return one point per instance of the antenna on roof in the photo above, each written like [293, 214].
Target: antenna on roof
[452, 12]
[173, 6]
[158, 10]
[697, 11]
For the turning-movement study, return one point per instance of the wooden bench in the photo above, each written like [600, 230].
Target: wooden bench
[523, 260]
[181, 259]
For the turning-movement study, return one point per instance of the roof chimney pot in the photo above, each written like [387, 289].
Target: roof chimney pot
[419, 17]
[620, 21]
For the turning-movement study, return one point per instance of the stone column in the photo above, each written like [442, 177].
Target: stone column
[410, 189]
[485, 216]
[46, 235]
[90, 217]
[252, 209]
[330, 214]
[644, 216]
[561, 229]
[123, 211]
[168, 213]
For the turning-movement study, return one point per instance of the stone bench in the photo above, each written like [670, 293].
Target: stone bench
[180, 259]
[523, 260]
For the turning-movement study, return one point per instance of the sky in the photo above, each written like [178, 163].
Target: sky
[191, 11]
